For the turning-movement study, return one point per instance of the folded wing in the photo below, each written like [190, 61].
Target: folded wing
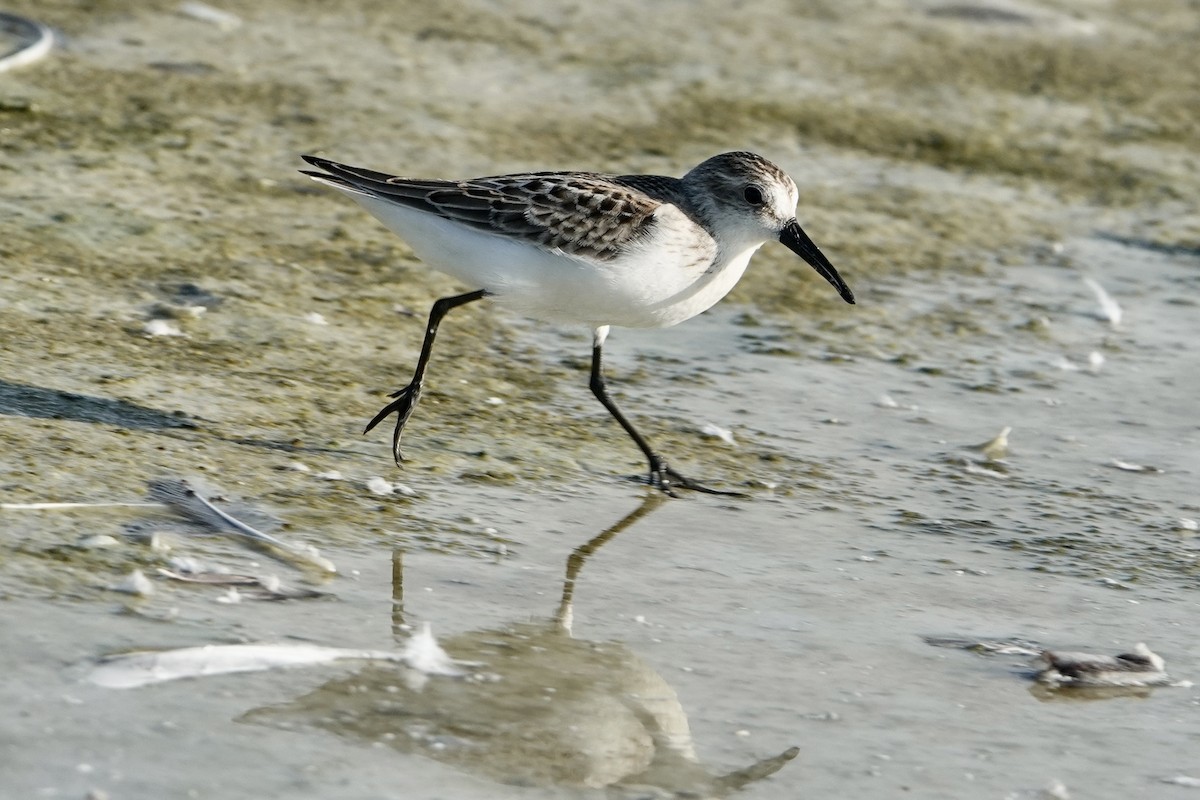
[576, 213]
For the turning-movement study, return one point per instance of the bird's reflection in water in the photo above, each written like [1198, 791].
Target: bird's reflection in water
[1086, 694]
[545, 709]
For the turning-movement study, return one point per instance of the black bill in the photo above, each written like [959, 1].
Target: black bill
[796, 240]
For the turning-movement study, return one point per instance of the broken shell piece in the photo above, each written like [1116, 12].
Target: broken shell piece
[1127, 466]
[224, 20]
[1139, 668]
[135, 583]
[1110, 310]
[380, 486]
[997, 448]
[99, 541]
[717, 432]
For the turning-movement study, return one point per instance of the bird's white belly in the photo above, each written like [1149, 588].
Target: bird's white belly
[666, 280]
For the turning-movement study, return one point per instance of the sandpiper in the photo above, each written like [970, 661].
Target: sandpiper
[638, 251]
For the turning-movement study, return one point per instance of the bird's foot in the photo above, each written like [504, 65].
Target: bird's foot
[402, 406]
[667, 480]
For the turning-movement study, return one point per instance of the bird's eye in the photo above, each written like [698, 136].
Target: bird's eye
[753, 195]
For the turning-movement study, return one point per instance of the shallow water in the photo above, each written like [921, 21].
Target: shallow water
[148, 170]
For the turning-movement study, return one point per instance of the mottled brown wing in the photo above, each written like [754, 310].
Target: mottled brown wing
[577, 213]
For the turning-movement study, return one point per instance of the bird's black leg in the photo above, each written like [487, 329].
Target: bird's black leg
[661, 475]
[406, 398]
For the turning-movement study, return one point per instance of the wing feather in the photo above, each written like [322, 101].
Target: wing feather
[577, 213]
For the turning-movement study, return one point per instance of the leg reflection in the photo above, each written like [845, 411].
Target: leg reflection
[399, 629]
[563, 617]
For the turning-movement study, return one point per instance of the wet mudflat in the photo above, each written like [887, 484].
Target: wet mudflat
[966, 172]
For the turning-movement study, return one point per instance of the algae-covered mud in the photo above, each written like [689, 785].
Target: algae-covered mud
[1009, 188]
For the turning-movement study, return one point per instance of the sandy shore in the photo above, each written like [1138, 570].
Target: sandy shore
[965, 167]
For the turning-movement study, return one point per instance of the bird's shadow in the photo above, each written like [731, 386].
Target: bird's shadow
[40, 402]
[546, 708]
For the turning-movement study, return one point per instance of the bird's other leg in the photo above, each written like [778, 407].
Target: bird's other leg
[661, 475]
[405, 401]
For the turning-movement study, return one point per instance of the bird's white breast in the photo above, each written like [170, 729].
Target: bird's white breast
[666, 278]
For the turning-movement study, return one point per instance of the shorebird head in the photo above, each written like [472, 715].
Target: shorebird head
[748, 199]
